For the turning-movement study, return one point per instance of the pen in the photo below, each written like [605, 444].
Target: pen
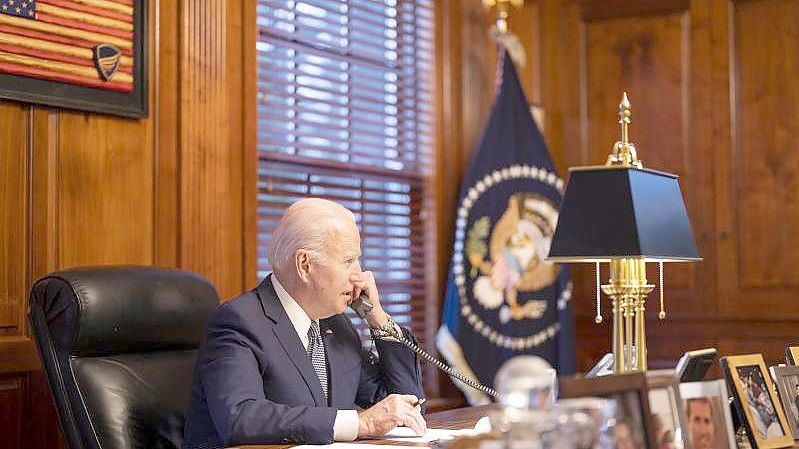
[419, 402]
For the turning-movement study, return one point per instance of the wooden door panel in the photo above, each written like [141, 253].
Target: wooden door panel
[13, 200]
[643, 56]
[105, 178]
[764, 154]
[12, 407]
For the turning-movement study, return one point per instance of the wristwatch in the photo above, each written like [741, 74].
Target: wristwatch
[387, 331]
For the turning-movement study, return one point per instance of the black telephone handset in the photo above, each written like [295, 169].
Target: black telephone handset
[362, 306]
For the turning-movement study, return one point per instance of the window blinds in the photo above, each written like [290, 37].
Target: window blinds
[345, 113]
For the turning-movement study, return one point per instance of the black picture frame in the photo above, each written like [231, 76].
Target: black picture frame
[132, 104]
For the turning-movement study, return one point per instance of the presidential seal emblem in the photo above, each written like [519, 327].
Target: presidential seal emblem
[514, 260]
[501, 263]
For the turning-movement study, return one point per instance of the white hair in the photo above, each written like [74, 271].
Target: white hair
[304, 225]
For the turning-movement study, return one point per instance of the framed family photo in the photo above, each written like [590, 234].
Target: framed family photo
[756, 401]
[707, 415]
[786, 378]
[666, 415]
[630, 427]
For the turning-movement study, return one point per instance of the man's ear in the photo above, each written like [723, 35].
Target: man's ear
[302, 260]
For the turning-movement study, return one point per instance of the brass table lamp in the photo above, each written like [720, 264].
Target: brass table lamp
[626, 215]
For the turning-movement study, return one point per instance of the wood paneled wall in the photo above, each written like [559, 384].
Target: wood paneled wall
[713, 87]
[85, 189]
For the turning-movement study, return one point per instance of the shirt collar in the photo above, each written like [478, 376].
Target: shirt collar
[299, 319]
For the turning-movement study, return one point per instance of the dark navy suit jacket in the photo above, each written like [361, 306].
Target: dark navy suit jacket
[254, 382]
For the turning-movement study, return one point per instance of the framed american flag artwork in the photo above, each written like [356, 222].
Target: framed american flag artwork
[79, 54]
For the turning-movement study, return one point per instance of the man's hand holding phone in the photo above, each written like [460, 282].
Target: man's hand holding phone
[365, 282]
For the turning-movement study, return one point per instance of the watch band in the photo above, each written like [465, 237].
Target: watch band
[387, 330]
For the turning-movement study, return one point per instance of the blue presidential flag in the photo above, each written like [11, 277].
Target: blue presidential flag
[503, 298]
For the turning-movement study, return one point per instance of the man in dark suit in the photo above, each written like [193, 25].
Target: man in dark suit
[282, 364]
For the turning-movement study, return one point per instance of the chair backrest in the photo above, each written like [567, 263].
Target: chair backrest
[118, 345]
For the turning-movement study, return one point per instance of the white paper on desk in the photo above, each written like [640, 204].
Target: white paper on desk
[407, 434]
[353, 446]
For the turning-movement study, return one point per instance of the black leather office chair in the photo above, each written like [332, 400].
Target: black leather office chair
[118, 345]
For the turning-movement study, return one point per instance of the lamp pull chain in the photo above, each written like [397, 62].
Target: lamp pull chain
[598, 317]
[662, 314]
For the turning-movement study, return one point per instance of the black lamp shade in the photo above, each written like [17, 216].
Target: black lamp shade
[613, 212]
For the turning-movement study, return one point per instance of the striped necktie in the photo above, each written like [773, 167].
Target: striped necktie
[316, 351]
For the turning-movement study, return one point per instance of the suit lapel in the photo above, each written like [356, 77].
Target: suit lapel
[338, 359]
[287, 337]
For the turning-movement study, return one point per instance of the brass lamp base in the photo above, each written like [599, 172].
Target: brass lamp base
[628, 289]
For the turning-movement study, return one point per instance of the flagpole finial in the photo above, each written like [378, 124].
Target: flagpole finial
[503, 8]
[624, 152]
[500, 32]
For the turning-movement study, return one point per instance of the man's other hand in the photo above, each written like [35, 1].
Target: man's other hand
[395, 410]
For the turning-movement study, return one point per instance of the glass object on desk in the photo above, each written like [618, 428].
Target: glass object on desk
[527, 387]
[526, 382]
[582, 423]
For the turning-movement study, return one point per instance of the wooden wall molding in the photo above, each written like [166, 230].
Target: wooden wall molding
[19, 355]
[164, 92]
[670, 339]
[43, 215]
[249, 112]
[606, 9]
[211, 163]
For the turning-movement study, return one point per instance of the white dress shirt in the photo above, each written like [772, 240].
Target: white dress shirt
[345, 427]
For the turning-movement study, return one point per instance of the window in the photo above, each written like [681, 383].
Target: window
[345, 113]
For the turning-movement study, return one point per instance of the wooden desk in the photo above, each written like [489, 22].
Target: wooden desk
[459, 418]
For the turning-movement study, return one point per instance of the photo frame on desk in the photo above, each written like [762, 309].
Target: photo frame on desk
[756, 402]
[792, 355]
[786, 379]
[667, 416]
[707, 413]
[632, 404]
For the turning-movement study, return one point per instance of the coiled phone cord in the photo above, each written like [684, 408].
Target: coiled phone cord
[441, 365]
